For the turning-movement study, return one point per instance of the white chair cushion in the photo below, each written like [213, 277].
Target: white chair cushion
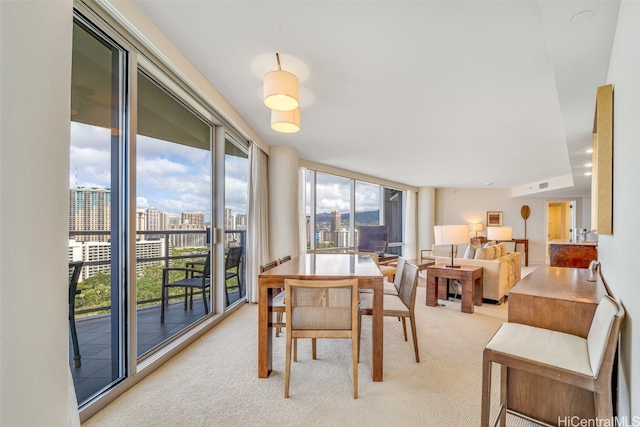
[551, 348]
[391, 303]
[599, 332]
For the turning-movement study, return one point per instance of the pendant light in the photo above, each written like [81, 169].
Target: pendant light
[280, 89]
[285, 121]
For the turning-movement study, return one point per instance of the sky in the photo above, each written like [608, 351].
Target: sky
[176, 178]
[171, 177]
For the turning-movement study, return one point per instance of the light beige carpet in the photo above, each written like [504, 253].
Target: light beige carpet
[214, 382]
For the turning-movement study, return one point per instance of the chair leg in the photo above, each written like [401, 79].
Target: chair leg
[359, 334]
[278, 320]
[404, 328]
[313, 348]
[503, 396]
[354, 364]
[204, 299]
[74, 339]
[295, 350]
[162, 304]
[486, 391]
[287, 365]
[414, 332]
[603, 403]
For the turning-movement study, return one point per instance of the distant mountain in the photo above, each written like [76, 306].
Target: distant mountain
[364, 218]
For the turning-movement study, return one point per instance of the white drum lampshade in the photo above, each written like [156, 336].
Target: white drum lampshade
[475, 227]
[451, 235]
[499, 233]
[281, 90]
[285, 121]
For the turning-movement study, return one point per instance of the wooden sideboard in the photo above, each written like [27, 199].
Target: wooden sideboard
[572, 254]
[564, 300]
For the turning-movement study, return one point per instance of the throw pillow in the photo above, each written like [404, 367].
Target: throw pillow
[505, 249]
[470, 253]
[489, 243]
[485, 253]
[498, 249]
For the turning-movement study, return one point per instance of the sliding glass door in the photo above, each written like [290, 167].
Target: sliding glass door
[97, 207]
[173, 214]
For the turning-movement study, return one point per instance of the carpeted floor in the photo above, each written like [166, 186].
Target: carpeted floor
[214, 381]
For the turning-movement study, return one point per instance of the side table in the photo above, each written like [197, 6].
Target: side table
[470, 277]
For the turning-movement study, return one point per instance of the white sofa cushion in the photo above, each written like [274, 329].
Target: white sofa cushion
[488, 253]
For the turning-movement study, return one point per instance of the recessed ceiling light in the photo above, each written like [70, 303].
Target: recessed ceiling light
[488, 184]
[582, 17]
[587, 173]
[588, 165]
[589, 150]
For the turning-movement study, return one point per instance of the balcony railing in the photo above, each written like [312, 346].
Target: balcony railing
[232, 238]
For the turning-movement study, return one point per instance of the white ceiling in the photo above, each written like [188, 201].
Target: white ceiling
[426, 93]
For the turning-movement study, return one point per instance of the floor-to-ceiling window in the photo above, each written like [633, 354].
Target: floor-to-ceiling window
[97, 205]
[335, 206]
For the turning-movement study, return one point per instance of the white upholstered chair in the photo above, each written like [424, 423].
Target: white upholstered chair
[582, 362]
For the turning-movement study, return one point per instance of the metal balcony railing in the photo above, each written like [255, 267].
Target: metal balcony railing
[232, 237]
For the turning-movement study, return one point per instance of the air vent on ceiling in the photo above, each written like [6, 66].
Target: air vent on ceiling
[543, 185]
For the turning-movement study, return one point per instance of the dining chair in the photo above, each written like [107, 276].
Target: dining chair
[401, 305]
[75, 268]
[278, 299]
[387, 271]
[586, 363]
[194, 278]
[232, 269]
[322, 309]
[391, 288]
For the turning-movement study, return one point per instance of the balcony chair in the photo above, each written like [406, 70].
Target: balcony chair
[74, 276]
[322, 309]
[232, 269]
[401, 305]
[582, 362]
[194, 278]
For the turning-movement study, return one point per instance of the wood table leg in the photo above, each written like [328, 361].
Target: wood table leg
[432, 290]
[264, 331]
[468, 286]
[377, 328]
[478, 290]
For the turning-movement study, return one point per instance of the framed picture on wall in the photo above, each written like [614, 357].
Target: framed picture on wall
[494, 219]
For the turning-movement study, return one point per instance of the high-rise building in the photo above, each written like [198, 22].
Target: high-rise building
[90, 210]
[336, 220]
[195, 219]
[241, 221]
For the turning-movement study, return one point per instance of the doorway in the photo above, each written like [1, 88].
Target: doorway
[561, 222]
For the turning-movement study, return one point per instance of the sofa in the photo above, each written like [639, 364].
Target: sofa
[500, 274]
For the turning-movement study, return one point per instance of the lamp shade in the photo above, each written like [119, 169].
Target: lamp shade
[499, 233]
[281, 90]
[285, 121]
[451, 234]
[475, 227]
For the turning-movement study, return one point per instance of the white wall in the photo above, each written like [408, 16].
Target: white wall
[34, 189]
[618, 252]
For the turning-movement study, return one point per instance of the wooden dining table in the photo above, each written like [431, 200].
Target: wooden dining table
[320, 267]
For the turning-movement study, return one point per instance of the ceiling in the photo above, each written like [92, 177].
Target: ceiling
[467, 94]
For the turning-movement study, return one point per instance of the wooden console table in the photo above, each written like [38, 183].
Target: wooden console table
[470, 277]
[563, 300]
[523, 242]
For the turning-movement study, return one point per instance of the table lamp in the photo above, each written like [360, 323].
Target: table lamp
[499, 233]
[451, 235]
[475, 227]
